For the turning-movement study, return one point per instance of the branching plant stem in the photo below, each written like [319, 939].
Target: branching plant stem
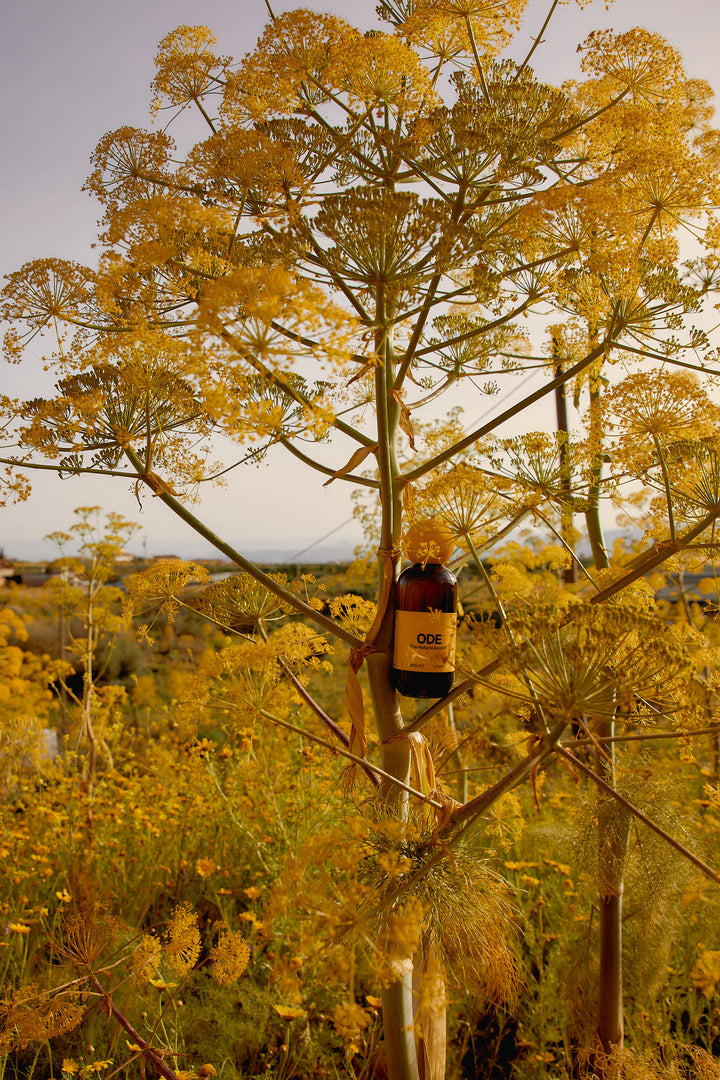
[150, 1052]
[508, 414]
[366, 765]
[701, 865]
[160, 490]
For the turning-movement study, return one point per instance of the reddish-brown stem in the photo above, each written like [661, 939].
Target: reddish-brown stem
[148, 1051]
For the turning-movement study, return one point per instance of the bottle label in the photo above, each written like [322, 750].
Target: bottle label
[425, 641]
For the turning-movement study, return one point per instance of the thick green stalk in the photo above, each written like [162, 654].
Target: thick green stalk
[566, 514]
[592, 513]
[458, 754]
[387, 413]
[397, 997]
[613, 832]
[613, 828]
[463, 819]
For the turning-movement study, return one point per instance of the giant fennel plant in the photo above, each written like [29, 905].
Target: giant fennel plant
[351, 230]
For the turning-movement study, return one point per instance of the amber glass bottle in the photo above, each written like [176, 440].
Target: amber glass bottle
[425, 624]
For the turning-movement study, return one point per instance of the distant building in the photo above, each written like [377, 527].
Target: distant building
[125, 557]
[8, 573]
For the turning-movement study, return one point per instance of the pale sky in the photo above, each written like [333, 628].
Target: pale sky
[70, 70]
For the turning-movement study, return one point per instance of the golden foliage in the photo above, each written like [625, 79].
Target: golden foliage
[664, 404]
[637, 62]
[31, 1015]
[353, 612]
[230, 956]
[187, 67]
[381, 70]
[88, 937]
[240, 599]
[181, 941]
[590, 661]
[159, 589]
[292, 60]
[129, 164]
[705, 972]
[485, 25]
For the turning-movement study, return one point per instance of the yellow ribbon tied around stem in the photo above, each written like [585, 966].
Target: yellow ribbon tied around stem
[353, 690]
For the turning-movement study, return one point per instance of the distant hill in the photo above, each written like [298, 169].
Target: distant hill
[191, 548]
